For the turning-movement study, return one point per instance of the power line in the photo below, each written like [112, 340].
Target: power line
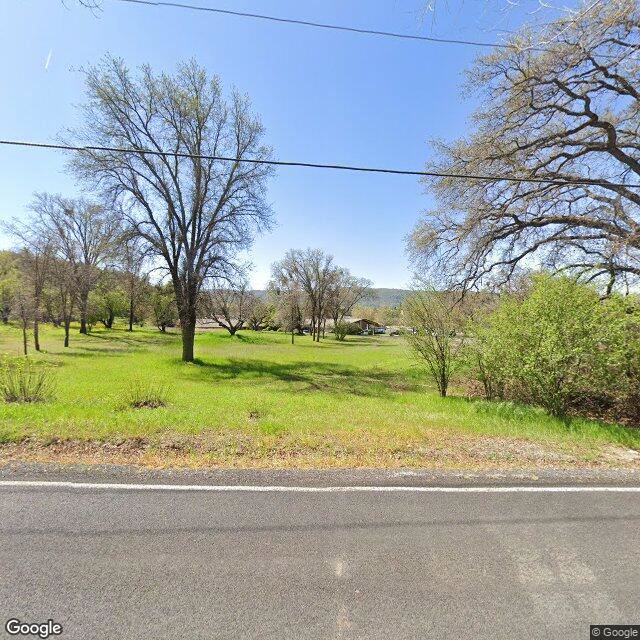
[315, 165]
[322, 25]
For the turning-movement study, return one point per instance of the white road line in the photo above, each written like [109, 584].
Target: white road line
[299, 489]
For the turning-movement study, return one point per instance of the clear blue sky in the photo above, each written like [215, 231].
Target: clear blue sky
[323, 96]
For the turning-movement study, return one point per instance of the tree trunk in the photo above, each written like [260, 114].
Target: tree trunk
[36, 333]
[24, 337]
[84, 311]
[188, 329]
[67, 323]
[443, 385]
[131, 313]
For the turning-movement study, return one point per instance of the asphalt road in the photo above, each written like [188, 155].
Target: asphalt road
[117, 563]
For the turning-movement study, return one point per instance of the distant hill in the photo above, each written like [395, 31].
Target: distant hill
[379, 297]
[386, 297]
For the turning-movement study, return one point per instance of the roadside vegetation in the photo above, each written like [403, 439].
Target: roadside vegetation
[254, 399]
[520, 344]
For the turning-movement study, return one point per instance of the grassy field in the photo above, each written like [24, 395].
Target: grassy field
[256, 400]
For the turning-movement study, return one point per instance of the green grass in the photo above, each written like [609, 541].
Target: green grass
[363, 401]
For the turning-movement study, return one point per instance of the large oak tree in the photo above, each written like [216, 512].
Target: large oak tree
[194, 210]
[565, 114]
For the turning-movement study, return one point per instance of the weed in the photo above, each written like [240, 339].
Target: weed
[23, 381]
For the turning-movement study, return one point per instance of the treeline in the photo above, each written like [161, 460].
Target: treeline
[37, 287]
[82, 267]
[548, 341]
[307, 289]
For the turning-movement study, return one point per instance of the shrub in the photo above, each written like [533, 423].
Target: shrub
[146, 395]
[435, 338]
[559, 347]
[344, 329]
[21, 380]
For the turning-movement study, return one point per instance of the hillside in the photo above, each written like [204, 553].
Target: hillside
[380, 297]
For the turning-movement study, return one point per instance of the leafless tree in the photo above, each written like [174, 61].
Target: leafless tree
[289, 302]
[83, 233]
[228, 304]
[193, 210]
[23, 310]
[315, 273]
[566, 114]
[64, 293]
[132, 262]
[34, 261]
[345, 293]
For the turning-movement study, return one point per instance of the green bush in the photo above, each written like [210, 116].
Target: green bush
[344, 329]
[23, 381]
[560, 347]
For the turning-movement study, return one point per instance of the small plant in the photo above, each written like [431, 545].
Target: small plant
[23, 381]
[341, 330]
[146, 395]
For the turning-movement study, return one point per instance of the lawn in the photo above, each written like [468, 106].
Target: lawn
[256, 400]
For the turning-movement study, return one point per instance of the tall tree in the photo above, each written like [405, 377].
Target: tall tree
[194, 210]
[83, 233]
[567, 113]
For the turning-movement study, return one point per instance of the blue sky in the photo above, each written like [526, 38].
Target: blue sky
[323, 96]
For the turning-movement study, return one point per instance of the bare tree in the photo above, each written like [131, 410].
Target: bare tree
[229, 305]
[83, 233]
[64, 292]
[289, 301]
[194, 210]
[314, 272]
[23, 310]
[132, 262]
[345, 292]
[34, 261]
[568, 114]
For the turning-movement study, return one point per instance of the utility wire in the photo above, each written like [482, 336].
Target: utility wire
[322, 25]
[315, 165]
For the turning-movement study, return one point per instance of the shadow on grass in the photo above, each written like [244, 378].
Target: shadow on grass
[309, 376]
[133, 339]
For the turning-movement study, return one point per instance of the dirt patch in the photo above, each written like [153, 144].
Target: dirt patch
[621, 454]
[351, 449]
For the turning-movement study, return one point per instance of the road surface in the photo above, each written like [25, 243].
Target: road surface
[113, 562]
